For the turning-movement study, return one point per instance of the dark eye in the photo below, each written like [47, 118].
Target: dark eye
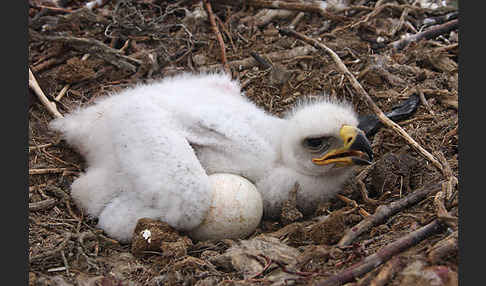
[316, 144]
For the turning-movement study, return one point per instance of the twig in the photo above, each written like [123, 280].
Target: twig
[433, 32]
[214, 26]
[388, 271]
[268, 263]
[296, 20]
[47, 64]
[400, 23]
[53, 252]
[227, 34]
[424, 101]
[274, 57]
[40, 146]
[446, 48]
[362, 92]
[440, 19]
[95, 47]
[48, 171]
[64, 260]
[364, 193]
[300, 273]
[42, 205]
[444, 247]
[261, 61]
[442, 213]
[378, 9]
[51, 106]
[309, 6]
[58, 9]
[265, 16]
[447, 190]
[354, 204]
[385, 211]
[382, 255]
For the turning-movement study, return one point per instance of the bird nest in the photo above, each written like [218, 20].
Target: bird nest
[393, 49]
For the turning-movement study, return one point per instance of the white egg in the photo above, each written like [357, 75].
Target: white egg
[235, 212]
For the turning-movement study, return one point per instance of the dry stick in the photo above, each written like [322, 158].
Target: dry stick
[64, 260]
[53, 252]
[40, 146]
[433, 32]
[274, 57]
[354, 204]
[382, 255]
[399, 26]
[447, 189]
[446, 48]
[48, 171]
[95, 47]
[214, 26]
[59, 9]
[312, 7]
[227, 33]
[364, 194]
[388, 271]
[265, 16]
[51, 106]
[379, 7]
[383, 212]
[424, 101]
[296, 20]
[362, 92]
[47, 64]
[42, 205]
[442, 213]
[444, 247]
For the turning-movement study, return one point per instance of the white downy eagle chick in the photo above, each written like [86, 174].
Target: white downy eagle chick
[150, 148]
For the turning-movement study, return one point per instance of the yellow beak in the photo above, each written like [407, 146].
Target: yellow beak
[355, 147]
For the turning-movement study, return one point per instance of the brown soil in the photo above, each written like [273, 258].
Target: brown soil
[151, 39]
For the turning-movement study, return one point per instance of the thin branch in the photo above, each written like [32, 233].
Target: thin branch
[265, 16]
[51, 106]
[94, 47]
[53, 252]
[48, 171]
[388, 271]
[400, 23]
[31, 148]
[309, 6]
[296, 20]
[58, 9]
[433, 32]
[383, 212]
[444, 247]
[382, 255]
[362, 92]
[42, 205]
[274, 57]
[424, 101]
[214, 26]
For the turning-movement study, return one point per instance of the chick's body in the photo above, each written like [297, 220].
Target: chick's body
[149, 151]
